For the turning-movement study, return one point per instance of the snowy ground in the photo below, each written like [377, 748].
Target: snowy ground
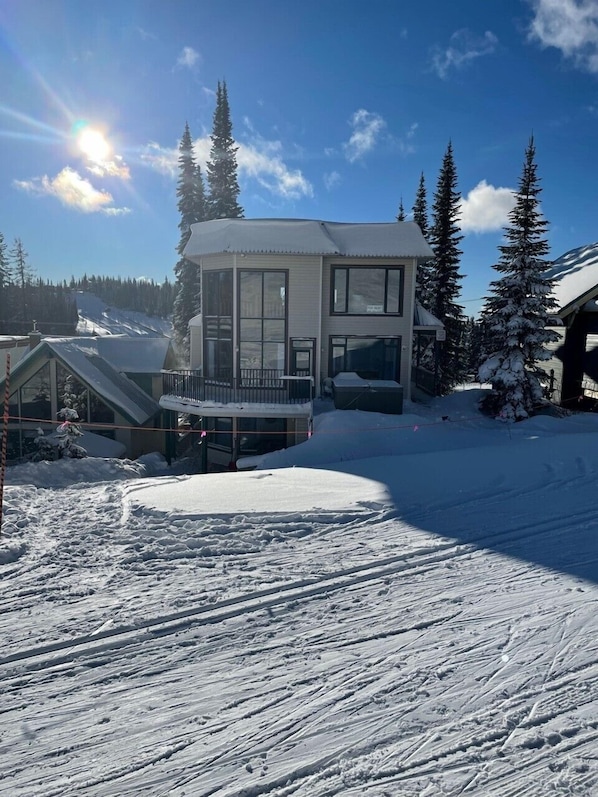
[403, 605]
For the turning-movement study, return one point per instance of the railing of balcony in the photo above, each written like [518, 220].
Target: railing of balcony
[270, 386]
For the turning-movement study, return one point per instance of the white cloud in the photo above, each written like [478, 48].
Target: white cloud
[569, 25]
[111, 168]
[188, 57]
[464, 47]
[367, 127]
[163, 160]
[73, 191]
[259, 159]
[486, 208]
[331, 180]
[263, 161]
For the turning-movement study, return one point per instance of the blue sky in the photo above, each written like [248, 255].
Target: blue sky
[337, 107]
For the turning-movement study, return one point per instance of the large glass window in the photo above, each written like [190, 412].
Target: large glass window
[262, 321]
[369, 358]
[35, 396]
[218, 324]
[367, 291]
[73, 393]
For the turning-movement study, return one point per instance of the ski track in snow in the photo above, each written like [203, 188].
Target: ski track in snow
[228, 656]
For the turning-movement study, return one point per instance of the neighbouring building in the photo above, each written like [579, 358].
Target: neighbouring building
[573, 366]
[113, 382]
[287, 305]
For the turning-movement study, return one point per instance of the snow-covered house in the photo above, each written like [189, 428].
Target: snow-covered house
[114, 383]
[287, 305]
[574, 357]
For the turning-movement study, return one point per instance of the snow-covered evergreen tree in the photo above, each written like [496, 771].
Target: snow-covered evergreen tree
[192, 208]
[222, 165]
[443, 287]
[518, 311]
[420, 217]
[61, 443]
[68, 433]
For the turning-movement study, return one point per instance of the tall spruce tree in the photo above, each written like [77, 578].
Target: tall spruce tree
[191, 205]
[518, 311]
[420, 217]
[420, 207]
[222, 165]
[444, 278]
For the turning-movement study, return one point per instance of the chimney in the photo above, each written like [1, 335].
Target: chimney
[35, 336]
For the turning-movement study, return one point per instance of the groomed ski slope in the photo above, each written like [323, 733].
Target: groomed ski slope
[422, 623]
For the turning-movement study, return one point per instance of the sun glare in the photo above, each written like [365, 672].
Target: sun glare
[93, 145]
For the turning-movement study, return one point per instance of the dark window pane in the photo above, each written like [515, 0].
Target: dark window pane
[98, 411]
[393, 293]
[13, 405]
[35, 396]
[210, 292]
[339, 290]
[366, 290]
[226, 293]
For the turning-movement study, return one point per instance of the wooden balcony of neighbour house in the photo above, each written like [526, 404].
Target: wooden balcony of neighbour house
[252, 386]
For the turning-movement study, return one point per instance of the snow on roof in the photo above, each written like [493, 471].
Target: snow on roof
[82, 357]
[424, 318]
[306, 237]
[134, 355]
[575, 274]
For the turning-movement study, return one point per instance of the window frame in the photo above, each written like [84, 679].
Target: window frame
[333, 343]
[265, 342]
[347, 269]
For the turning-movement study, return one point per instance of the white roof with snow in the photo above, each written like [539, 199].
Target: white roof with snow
[306, 237]
[575, 276]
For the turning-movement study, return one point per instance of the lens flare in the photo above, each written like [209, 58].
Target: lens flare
[93, 145]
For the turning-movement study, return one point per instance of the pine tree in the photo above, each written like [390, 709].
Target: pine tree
[420, 217]
[401, 214]
[444, 287]
[23, 275]
[420, 207]
[192, 208]
[5, 279]
[517, 313]
[222, 166]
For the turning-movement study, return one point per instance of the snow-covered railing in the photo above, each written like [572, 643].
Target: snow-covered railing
[266, 386]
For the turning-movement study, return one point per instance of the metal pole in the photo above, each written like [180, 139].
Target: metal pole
[4, 435]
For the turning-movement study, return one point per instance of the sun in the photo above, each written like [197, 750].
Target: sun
[93, 145]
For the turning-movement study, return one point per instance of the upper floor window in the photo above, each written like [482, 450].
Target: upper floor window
[367, 291]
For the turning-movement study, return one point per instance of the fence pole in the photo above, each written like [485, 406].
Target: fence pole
[4, 436]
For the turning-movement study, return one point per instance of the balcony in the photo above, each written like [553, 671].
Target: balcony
[258, 387]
